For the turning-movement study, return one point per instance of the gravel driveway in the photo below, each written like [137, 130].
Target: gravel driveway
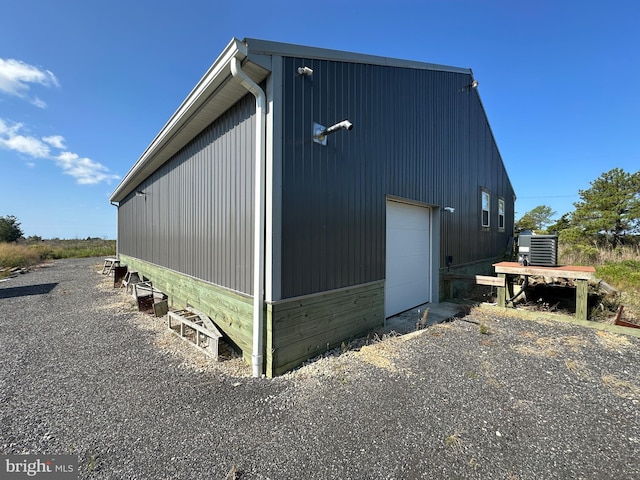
[83, 373]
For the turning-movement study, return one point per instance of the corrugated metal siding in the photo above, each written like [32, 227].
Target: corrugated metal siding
[418, 134]
[196, 215]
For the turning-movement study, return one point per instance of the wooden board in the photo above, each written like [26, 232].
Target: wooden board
[303, 327]
[477, 279]
[566, 271]
[161, 308]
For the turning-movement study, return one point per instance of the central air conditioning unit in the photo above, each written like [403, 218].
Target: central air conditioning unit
[537, 250]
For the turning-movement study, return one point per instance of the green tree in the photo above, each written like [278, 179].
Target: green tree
[10, 230]
[611, 207]
[536, 219]
[563, 223]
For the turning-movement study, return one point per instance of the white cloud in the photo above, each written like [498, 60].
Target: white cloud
[28, 145]
[84, 170]
[38, 103]
[16, 78]
[56, 141]
[10, 139]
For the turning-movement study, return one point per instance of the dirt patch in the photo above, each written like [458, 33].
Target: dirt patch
[613, 341]
[621, 388]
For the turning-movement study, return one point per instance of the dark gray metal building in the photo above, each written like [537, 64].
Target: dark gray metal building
[292, 240]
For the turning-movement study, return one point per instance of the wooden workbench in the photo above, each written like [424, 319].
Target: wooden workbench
[581, 275]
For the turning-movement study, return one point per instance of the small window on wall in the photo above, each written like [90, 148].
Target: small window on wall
[501, 214]
[486, 208]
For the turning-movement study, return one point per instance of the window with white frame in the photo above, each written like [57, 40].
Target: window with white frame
[501, 214]
[486, 208]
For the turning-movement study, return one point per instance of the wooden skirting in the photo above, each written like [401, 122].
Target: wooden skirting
[296, 329]
[230, 311]
[301, 328]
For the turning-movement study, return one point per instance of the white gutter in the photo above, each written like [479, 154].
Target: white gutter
[258, 234]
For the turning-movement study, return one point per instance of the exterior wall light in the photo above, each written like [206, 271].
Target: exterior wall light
[306, 71]
[449, 209]
[320, 132]
[140, 193]
[474, 84]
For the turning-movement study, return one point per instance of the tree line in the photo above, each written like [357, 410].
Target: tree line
[607, 214]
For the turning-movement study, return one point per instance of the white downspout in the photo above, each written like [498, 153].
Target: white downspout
[258, 240]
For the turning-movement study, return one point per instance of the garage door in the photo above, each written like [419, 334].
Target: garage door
[408, 266]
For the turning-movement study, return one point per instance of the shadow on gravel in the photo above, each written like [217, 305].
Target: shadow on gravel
[40, 289]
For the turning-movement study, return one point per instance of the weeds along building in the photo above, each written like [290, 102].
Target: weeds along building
[299, 196]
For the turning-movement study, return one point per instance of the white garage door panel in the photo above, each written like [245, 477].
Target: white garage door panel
[408, 257]
[405, 241]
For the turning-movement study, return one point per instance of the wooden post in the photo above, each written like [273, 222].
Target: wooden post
[502, 291]
[582, 299]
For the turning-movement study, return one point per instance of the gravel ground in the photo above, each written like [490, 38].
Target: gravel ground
[479, 397]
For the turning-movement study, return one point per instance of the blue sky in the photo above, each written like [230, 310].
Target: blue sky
[85, 86]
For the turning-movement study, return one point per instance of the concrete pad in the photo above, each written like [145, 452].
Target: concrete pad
[405, 322]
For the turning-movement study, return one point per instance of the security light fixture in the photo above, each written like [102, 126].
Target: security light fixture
[473, 84]
[306, 71]
[140, 193]
[320, 132]
[449, 209]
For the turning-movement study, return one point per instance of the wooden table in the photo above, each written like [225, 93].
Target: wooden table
[581, 275]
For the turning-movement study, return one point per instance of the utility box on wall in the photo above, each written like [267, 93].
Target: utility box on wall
[540, 250]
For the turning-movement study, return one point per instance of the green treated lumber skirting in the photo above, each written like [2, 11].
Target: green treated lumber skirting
[303, 327]
[230, 311]
[296, 329]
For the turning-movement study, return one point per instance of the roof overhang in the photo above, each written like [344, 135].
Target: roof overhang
[266, 47]
[214, 94]
[218, 90]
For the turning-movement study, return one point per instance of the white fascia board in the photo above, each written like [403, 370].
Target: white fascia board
[216, 73]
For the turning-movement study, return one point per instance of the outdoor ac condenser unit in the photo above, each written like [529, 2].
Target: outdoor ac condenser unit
[537, 250]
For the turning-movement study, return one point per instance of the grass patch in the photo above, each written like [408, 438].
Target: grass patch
[453, 442]
[27, 254]
[624, 275]
[619, 267]
[577, 368]
[550, 346]
[12, 256]
[484, 329]
[55, 249]
[542, 351]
